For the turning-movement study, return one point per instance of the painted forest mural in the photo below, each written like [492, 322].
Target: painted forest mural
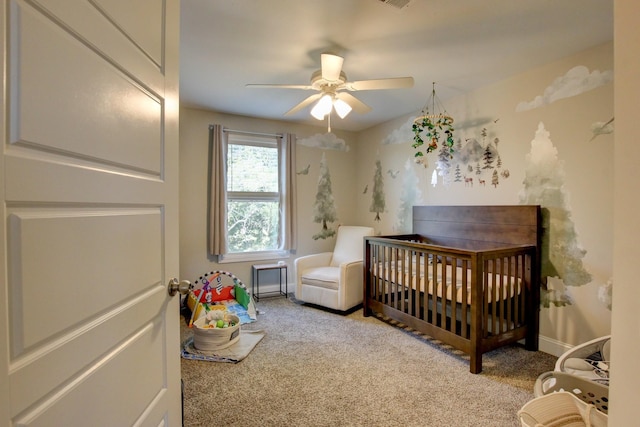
[324, 210]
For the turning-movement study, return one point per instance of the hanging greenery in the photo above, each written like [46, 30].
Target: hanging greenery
[435, 128]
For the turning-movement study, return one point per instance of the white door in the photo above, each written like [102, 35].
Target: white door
[88, 333]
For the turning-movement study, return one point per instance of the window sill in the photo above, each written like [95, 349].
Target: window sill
[252, 256]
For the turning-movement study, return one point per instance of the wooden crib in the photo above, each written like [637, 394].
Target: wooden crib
[468, 276]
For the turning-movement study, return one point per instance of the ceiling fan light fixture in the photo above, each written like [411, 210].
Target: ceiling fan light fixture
[342, 108]
[332, 89]
[322, 108]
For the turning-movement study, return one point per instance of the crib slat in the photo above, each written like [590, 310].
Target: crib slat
[454, 295]
[500, 295]
[493, 296]
[393, 270]
[502, 326]
[401, 280]
[416, 285]
[379, 273]
[485, 299]
[424, 287]
[464, 326]
[441, 322]
[512, 290]
[383, 276]
[406, 287]
[521, 300]
[521, 275]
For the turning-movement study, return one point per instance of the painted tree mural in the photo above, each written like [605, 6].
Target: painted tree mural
[494, 178]
[324, 209]
[377, 195]
[458, 174]
[561, 253]
[410, 196]
[488, 157]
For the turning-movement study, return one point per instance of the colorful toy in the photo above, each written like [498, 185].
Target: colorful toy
[213, 293]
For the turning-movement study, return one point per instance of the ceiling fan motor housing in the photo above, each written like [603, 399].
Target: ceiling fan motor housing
[319, 83]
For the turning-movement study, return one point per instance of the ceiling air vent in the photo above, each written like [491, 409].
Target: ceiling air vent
[396, 4]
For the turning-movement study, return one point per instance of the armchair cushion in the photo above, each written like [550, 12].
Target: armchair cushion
[324, 277]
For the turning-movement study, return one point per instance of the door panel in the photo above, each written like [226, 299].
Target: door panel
[93, 110]
[46, 245]
[89, 185]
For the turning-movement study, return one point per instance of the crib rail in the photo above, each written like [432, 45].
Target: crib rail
[473, 299]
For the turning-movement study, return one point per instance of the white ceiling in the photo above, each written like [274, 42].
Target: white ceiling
[459, 44]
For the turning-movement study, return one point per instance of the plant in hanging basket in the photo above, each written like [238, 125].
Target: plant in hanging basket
[433, 127]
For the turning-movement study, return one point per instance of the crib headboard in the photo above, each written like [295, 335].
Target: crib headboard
[475, 226]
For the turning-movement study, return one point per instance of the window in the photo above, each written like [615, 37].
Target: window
[252, 195]
[254, 207]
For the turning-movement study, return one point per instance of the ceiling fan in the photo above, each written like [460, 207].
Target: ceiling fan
[333, 89]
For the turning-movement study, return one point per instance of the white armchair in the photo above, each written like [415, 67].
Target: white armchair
[334, 279]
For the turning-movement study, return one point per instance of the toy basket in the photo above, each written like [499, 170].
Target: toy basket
[211, 339]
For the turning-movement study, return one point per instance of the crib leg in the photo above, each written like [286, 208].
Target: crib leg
[475, 365]
[533, 330]
[366, 311]
[531, 342]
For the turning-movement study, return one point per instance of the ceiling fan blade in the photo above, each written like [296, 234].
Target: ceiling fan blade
[391, 83]
[280, 86]
[331, 66]
[307, 101]
[355, 103]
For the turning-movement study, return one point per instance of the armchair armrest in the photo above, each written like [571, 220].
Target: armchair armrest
[351, 278]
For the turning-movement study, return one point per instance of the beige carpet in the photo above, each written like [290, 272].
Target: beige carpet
[317, 368]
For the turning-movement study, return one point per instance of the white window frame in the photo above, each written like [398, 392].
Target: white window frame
[259, 140]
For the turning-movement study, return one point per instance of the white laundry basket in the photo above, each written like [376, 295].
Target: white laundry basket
[588, 391]
[590, 360]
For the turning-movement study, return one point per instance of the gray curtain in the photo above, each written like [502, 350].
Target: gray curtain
[217, 236]
[288, 195]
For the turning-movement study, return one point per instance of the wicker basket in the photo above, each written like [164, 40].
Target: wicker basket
[560, 409]
[211, 339]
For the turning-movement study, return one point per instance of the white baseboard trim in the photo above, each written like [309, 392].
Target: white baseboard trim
[553, 347]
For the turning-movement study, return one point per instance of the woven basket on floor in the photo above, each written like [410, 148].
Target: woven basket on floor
[560, 409]
[211, 339]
